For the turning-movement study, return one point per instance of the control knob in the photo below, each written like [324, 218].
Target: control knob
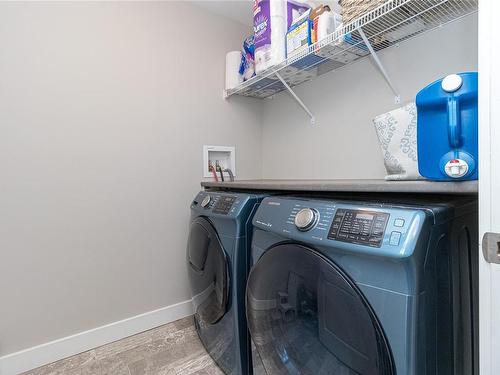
[206, 201]
[306, 219]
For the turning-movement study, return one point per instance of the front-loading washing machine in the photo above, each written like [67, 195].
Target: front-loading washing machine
[364, 287]
[218, 261]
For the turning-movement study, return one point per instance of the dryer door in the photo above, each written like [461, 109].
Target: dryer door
[307, 317]
[208, 272]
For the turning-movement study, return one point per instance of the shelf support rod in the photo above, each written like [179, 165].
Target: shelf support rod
[299, 101]
[397, 98]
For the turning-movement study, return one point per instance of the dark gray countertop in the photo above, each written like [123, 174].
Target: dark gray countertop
[367, 186]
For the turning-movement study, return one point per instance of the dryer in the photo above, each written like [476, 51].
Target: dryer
[218, 262]
[364, 287]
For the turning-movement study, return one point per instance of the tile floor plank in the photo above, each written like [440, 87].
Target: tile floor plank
[171, 349]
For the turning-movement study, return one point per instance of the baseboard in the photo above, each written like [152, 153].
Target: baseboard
[40, 355]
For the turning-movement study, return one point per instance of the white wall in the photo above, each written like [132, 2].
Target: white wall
[104, 108]
[343, 143]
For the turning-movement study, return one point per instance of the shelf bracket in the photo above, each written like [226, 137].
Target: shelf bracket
[397, 98]
[297, 99]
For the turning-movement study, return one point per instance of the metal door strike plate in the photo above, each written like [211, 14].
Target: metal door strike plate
[491, 247]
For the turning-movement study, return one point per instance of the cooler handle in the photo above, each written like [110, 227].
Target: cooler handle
[454, 123]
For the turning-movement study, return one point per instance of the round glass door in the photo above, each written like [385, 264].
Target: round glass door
[208, 272]
[307, 317]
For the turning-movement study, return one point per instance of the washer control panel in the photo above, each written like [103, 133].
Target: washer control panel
[227, 205]
[224, 204]
[359, 226]
[206, 201]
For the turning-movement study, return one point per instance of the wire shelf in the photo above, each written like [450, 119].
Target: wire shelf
[391, 23]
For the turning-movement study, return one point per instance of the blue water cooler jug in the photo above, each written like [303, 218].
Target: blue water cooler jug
[447, 127]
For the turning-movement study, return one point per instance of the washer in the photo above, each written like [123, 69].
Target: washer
[359, 287]
[218, 262]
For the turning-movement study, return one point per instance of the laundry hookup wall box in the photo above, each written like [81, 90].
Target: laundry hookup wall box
[224, 155]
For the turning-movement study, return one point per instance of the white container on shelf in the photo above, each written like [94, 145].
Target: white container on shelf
[233, 76]
[328, 22]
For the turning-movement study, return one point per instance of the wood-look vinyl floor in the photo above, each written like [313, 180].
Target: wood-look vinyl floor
[172, 349]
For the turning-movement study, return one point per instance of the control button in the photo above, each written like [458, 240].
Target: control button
[399, 223]
[354, 230]
[306, 219]
[205, 202]
[395, 238]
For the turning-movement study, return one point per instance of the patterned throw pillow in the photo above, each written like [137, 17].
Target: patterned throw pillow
[397, 135]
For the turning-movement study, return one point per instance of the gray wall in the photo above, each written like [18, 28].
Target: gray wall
[104, 108]
[344, 144]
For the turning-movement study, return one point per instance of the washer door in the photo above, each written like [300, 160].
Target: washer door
[307, 317]
[208, 272]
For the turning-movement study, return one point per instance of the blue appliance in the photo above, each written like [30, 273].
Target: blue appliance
[218, 262]
[447, 128]
[365, 288]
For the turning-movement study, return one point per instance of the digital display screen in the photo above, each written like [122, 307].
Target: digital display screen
[224, 205]
[364, 216]
[359, 227]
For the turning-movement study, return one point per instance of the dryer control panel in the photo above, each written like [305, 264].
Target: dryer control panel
[359, 226]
